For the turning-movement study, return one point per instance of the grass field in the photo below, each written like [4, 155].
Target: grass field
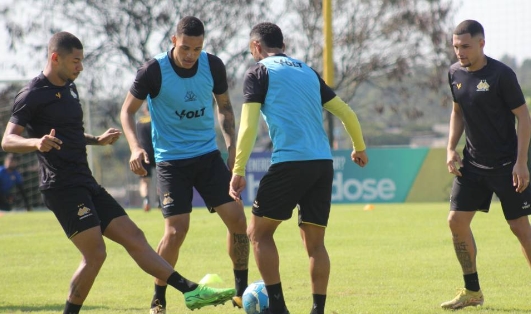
[397, 258]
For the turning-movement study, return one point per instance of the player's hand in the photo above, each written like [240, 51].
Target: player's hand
[109, 137]
[520, 177]
[237, 184]
[135, 162]
[49, 142]
[453, 158]
[360, 158]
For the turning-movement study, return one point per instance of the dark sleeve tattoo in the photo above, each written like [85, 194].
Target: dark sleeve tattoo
[241, 251]
[226, 117]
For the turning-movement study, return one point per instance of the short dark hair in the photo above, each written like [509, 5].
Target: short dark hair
[63, 43]
[469, 27]
[269, 33]
[190, 26]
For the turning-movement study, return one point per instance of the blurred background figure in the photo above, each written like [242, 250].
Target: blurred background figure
[9, 179]
[143, 129]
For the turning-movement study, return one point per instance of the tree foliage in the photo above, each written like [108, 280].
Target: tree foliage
[382, 43]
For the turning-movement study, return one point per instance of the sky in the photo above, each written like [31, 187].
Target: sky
[507, 25]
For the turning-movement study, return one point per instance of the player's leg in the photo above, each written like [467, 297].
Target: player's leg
[212, 183]
[469, 193]
[314, 212]
[237, 246]
[117, 226]
[92, 247]
[516, 208]
[313, 239]
[79, 219]
[261, 231]
[175, 183]
[275, 200]
[522, 230]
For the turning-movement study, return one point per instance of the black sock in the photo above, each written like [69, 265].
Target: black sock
[159, 297]
[276, 298]
[71, 308]
[319, 301]
[240, 281]
[472, 282]
[180, 283]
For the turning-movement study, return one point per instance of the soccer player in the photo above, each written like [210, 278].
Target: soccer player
[143, 129]
[10, 178]
[180, 86]
[50, 110]
[291, 97]
[486, 100]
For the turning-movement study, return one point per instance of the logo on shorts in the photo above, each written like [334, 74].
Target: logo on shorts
[526, 205]
[83, 211]
[167, 199]
[255, 204]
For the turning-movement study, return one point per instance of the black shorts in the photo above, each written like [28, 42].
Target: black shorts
[81, 208]
[208, 174]
[473, 192]
[306, 184]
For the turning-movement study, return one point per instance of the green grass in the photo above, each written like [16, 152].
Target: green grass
[397, 258]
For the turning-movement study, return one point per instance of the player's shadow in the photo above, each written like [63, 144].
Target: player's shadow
[42, 308]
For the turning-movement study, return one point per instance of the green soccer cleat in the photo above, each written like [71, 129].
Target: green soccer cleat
[205, 296]
[463, 299]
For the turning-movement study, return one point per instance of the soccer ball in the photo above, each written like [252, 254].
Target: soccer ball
[255, 298]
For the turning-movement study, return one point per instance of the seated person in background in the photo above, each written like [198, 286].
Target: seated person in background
[10, 178]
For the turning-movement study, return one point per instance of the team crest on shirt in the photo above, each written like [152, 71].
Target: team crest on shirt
[83, 211]
[483, 86]
[190, 96]
[167, 199]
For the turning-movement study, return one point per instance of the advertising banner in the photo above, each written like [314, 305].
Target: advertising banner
[393, 175]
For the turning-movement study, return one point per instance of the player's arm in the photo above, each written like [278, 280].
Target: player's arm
[523, 132]
[228, 128]
[352, 125]
[244, 146]
[246, 136]
[127, 117]
[109, 137]
[349, 119]
[14, 142]
[457, 127]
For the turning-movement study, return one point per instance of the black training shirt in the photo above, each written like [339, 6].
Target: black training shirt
[486, 98]
[40, 107]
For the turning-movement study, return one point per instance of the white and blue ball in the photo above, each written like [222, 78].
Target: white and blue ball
[255, 298]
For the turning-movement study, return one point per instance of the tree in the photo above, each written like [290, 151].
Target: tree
[120, 35]
[399, 47]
